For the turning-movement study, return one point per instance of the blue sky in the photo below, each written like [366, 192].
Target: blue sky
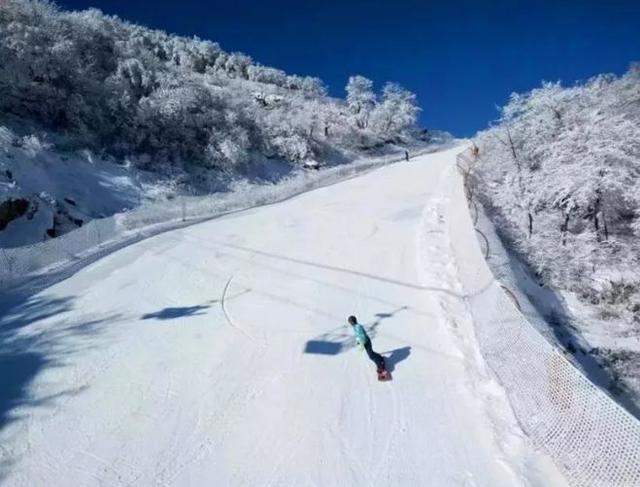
[461, 58]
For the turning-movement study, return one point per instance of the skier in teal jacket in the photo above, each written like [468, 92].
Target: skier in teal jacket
[363, 340]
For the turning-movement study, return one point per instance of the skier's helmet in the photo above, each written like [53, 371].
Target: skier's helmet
[352, 320]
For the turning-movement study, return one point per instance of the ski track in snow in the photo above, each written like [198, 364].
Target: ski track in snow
[226, 313]
[219, 354]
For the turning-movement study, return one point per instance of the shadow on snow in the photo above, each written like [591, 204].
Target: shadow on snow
[394, 357]
[341, 339]
[28, 347]
[175, 313]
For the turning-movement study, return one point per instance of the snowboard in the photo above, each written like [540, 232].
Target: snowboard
[384, 376]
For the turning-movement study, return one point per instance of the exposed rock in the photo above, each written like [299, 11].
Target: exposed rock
[12, 209]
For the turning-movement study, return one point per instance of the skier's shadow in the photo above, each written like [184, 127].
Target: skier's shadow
[396, 356]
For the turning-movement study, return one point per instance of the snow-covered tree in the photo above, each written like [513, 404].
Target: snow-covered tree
[559, 173]
[127, 90]
[397, 111]
[360, 99]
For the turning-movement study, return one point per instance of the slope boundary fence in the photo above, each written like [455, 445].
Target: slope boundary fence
[592, 439]
[101, 236]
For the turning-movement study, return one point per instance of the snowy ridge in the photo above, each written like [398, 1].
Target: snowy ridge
[100, 236]
[592, 439]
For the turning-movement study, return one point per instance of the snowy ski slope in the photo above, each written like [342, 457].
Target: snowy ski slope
[219, 354]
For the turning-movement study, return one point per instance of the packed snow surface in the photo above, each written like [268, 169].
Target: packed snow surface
[219, 354]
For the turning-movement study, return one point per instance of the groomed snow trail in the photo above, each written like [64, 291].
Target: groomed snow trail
[219, 355]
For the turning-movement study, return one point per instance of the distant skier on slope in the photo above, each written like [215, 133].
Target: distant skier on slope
[363, 341]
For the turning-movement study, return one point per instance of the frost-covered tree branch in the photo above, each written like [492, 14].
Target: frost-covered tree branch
[571, 157]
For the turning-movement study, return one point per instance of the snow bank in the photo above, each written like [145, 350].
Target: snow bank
[593, 440]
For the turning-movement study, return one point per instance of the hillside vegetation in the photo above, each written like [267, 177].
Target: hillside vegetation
[98, 115]
[129, 90]
[560, 175]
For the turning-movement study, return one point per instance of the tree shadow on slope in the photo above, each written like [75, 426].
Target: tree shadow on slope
[333, 268]
[28, 347]
[301, 276]
[176, 312]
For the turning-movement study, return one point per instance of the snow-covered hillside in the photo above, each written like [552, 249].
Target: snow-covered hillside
[53, 193]
[103, 83]
[98, 115]
[559, 176]
[219, 354]
[45, 193]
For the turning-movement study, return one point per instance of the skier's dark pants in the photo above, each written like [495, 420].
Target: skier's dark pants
[375, 357]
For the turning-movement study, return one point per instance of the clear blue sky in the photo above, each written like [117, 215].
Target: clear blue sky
[462, 58]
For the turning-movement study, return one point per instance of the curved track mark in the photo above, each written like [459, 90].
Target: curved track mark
[226, 313]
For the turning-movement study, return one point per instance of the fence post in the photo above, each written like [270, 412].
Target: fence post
[184, 208]
[97, 230]
[8, 263]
